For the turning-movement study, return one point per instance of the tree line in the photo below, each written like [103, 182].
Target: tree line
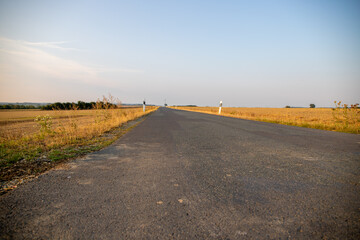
[15, 106]
[79, 105]
[63, 106]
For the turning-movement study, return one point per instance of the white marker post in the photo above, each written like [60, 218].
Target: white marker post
[144, 104]
[220, 105]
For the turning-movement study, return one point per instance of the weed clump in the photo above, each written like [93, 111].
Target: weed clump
[345, 115]
[45, 123]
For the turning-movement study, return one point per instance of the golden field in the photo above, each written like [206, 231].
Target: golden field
[14, 123]
[338, 119]
[28, 134]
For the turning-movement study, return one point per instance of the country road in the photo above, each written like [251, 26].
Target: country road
[187, 175]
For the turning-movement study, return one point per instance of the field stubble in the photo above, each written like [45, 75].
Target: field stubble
[341, 118]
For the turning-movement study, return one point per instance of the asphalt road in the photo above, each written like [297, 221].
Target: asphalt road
[186, 175]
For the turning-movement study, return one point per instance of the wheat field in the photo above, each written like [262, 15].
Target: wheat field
[338, 119]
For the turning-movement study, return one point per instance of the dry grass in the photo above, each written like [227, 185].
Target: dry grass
[338, 119]
[21, 122]
[23, 138]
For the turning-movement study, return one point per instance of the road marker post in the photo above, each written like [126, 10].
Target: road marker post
[144, 104]
[220, 105]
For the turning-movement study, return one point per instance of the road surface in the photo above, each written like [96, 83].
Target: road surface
[186, 175]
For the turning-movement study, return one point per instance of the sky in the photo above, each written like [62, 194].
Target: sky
[258, 53]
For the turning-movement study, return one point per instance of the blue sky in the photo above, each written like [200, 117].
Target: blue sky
[245, 53]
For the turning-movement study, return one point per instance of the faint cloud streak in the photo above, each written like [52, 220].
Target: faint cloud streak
[55, 45]
[17, 56]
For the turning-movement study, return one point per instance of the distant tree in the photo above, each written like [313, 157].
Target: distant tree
[92, 105]
[88, 105]
[59, 105]
[68, 105]
[287, 106]
[312, 105]
[81, 105]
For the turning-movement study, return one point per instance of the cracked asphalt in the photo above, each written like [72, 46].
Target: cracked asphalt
[187, 175]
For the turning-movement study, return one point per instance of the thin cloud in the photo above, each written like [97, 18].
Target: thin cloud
[55, 45]
[117, 70]
[17, 56]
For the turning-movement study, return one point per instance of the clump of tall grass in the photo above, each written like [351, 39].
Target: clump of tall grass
[45, 123]
[346, 115]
